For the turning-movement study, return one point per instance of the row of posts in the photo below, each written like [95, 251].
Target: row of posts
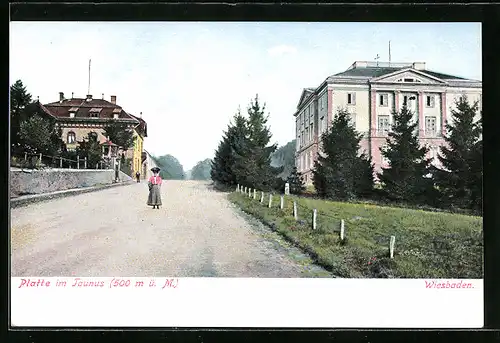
[248, 191]
[61, 161]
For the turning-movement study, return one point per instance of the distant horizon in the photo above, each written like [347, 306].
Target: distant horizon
[189, 78]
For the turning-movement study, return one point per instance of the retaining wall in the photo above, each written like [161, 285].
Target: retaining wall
[23, 182]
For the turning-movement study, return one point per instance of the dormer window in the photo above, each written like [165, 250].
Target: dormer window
[94, 112]
[116, 113]
[72, 112]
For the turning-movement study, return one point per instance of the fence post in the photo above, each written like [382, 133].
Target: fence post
[270, 199]
[25, 156]
[237, 187]
[295, 214]
[85, 162]
[342, 230]
[250, 193]
[40, 159]
[254, 194]
[282, 201]
[60, 162]
[391, 246]
[314, 219]
[77, 161]
[262, 197]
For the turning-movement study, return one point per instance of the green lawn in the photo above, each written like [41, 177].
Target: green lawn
[428, 244]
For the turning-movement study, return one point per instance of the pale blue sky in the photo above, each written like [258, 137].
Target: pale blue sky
[189, 78]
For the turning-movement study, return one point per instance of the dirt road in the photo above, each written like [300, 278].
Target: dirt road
[197, 232]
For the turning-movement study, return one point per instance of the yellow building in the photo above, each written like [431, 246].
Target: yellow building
[136, 153]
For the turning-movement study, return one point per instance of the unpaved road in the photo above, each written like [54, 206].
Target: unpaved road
[197, 232]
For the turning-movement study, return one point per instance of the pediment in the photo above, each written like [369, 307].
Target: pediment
[408, 76]
[306, 93]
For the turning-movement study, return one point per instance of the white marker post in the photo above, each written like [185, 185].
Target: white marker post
[287, 188]
[391, 246]
[314, 219]
[249, 192]
[282, 202]
[254, 194]
[295, 210]
[270, 200]
[342, 230]
[238, 187]
[262, 197]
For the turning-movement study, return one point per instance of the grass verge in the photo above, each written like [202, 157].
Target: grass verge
[428, 244]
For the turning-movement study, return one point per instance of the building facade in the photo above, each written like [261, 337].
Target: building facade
[147, 164]
[370, 92]
[77, 117]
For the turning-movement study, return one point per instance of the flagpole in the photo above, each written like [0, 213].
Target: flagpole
[389, 53]
[88, 90]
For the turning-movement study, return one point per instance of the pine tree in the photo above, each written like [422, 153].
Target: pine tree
[224, 169]
[340, 171]
[460, 179]
[19, 100]
[254, 159]
[296, 182]
[406, 179]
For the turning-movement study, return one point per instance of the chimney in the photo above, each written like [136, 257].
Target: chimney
[418, 65]
[113, 99]
[102, 96]
[89, 97]
[61, 96]
[140, 115]
[72, 95]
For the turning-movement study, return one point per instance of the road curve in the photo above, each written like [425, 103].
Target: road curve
[197, 232]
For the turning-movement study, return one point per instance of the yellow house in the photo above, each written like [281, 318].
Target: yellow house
[140, 132]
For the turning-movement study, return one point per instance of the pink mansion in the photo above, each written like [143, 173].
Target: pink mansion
[370, 91]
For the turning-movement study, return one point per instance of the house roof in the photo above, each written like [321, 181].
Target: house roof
[83, 108]
[143, 127]
[108, 142]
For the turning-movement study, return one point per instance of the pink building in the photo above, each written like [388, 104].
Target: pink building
[370, 91]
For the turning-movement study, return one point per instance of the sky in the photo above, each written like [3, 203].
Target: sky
[189, 78]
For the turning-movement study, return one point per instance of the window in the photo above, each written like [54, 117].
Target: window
[383, 100]
[311, 131]
[405, 100]
[430, 125]
[429, 101]
[383, 125]
[351, 98]
[71, 139]
[408, 80]
[307, 134]
[308, 163]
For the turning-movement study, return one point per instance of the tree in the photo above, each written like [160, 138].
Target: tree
[19, 100]
[296, 182]
[170, 167]
[253, 161]
[91, 149]
[284, 157]
[120, 134]
[201, 171]
[460, 178]
[39, 134]
[406, 179]
[341, 172]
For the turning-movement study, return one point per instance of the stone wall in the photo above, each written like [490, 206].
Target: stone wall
[23, 182]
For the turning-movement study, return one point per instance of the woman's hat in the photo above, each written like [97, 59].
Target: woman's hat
[155, 169]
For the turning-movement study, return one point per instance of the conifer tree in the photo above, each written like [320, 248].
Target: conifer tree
[407, 177]
[341, 172]
[296, 182]
[460, 178]
[19, 100]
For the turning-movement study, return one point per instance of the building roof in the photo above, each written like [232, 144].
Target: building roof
[374, 71]
[108, 142]
[143, 127]
[106, 109]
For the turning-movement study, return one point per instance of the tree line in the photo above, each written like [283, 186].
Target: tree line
[344, 172]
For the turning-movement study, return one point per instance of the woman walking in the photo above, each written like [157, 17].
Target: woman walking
[154, 184]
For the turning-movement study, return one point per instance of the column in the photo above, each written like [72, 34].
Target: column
[330, 107]
[443, 113]
[373, 114]
[421, 124]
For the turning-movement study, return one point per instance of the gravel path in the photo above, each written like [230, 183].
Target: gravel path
[112, 232]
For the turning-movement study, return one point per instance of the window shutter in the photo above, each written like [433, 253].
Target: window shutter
[433, 98]
[354, 98]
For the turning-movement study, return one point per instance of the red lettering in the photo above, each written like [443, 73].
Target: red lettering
[33, 283]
